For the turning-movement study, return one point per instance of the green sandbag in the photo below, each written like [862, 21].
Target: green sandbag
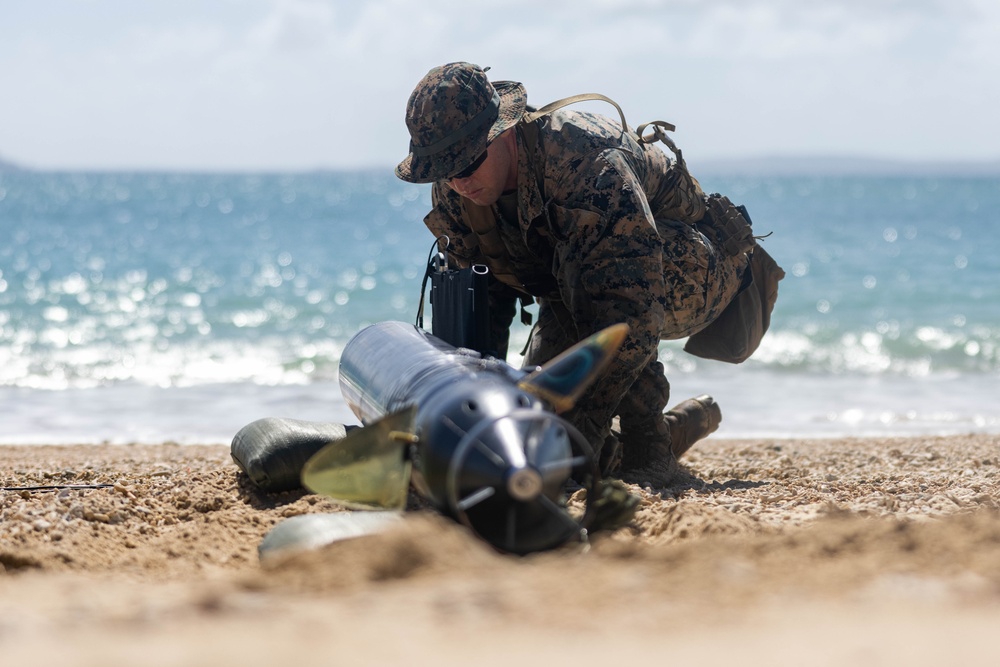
[273, 450]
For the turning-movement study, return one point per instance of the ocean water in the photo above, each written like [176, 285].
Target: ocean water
[179, 307]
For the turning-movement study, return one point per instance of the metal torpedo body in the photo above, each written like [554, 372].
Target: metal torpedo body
[480, 440]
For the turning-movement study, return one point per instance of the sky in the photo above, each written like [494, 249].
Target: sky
[209, 85]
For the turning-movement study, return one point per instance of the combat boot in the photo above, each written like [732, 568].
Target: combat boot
[646, 454]
[651, 451]
[691, 420]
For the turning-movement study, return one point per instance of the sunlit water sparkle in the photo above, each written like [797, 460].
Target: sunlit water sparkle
[151, 307]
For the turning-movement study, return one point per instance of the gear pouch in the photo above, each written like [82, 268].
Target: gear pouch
[460, 312]
[736, 333]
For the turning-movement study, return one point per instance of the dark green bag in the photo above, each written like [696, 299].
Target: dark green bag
[737, 332]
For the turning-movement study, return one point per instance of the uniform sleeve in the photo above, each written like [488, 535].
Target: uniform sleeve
[609, 267]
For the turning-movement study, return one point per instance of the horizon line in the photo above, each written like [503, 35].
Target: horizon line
[765, 163]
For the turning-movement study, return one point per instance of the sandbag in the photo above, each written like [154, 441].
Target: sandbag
[273, 450]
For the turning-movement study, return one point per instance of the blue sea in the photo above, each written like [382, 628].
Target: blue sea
[144, 307]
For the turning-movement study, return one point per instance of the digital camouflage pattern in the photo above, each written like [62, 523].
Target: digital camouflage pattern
[452, 115]
[607, 231]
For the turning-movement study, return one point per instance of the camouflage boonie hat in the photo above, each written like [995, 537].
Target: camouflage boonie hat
[452, 115]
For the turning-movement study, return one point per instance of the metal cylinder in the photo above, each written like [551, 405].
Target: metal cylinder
[484, 450]
[393, 365]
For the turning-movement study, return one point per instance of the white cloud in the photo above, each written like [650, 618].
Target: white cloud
[309, 83]
[295, 26]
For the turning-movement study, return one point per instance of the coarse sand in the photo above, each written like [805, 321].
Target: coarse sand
[861, 551]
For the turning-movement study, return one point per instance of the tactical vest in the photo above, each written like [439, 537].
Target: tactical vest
[482, 221]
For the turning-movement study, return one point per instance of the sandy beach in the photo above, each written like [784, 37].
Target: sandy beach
[776, 552]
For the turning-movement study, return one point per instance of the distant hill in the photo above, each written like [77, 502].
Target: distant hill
[841, 166]
[779, 165]
[8, 166]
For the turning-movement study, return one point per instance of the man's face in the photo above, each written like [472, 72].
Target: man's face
[485, 185]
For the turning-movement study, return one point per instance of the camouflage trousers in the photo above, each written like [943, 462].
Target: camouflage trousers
[700, 282]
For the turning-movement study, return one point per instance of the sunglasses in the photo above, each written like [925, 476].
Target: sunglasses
[471, 169]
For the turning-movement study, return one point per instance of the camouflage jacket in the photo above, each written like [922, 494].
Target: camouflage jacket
[596, 211]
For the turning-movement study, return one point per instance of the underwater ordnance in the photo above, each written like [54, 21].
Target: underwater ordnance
[483, 442]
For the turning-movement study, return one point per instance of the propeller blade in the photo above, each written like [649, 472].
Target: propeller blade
[563, 380]
[367, 468]
[312, 531]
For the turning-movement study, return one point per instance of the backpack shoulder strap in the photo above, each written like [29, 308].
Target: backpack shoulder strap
[659, 127]
[530, 130]
[573, 99]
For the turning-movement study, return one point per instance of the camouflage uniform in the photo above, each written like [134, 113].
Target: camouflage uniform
[607, 231]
